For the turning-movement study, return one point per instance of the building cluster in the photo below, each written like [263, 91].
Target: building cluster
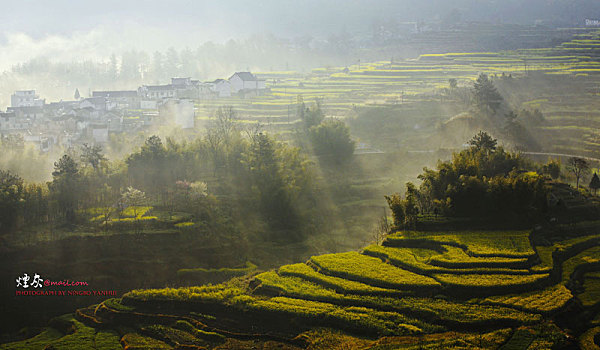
[93, 119]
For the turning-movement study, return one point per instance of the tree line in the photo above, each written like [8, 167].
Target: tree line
[230, 179]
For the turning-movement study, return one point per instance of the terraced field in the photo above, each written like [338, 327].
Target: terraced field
[413, 287]
[573, 66]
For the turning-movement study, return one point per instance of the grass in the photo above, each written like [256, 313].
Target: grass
[591, 290]
[116, 304]
[358, 318]
[78, 336]
[135, 211]
[508, 244]
[134, 341]
[370, 270]
[455, 257]
[199, 333]
[211, 275]
[521, 339]
[587, 339]
[588, 256]
[428, 262]
[445, 311]
[47, 336]
[109, 340]
[205, 294]
[544, 301]
[173, 336]
[340, 285]
[490, 281]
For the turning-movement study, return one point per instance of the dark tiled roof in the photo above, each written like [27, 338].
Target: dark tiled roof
[95, 100]
[7, 114]
[159, 87]
[25, 109]
[124, 93]
[245, 76]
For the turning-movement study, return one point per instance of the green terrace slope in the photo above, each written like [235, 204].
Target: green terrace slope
[417, 288]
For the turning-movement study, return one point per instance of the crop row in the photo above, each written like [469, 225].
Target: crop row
[370, 270]
[340, 285]
[544, 301]
[434, 310]
[407, 259]
[242, 305]
[492, 284]
[507, 244]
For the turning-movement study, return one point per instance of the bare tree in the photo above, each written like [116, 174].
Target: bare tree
[225, 122]
[382, 228]
[578, 166]
[134, 198]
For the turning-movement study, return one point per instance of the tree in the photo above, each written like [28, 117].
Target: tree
[483, 142]
[310, 116]
[153, 167]
[595, 183]
[92, 155]
[225, 122]
[11, 195]
[396, 204]
[578, 166]
[134, 198]
[269, 183]
[411, 210]
[453, 83]
[65, 187]
[382, 228]
[486, 97]
[552, 168]
[332, 138]
[404, 211]
[76, 95]
[481, 183]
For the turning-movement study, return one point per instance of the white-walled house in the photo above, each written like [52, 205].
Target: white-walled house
[156, 92]
[241, 81]
[26, 98]
[28, 112]
[97, 104]
[121, 98]
[10, 122]
[222, 87]
[181, 82]
[40, 140]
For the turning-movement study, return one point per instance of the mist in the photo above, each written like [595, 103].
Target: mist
[300, 174]
[268, 35]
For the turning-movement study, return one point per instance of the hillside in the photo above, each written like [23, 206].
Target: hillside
[487, 252]
[462, 289]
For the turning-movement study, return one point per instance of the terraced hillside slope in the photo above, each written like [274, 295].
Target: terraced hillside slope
[561, 82]
[480, 289]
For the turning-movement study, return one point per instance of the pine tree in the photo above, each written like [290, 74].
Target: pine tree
[486, 96]
[77, 95]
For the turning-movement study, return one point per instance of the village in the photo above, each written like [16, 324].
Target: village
[93, 119]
